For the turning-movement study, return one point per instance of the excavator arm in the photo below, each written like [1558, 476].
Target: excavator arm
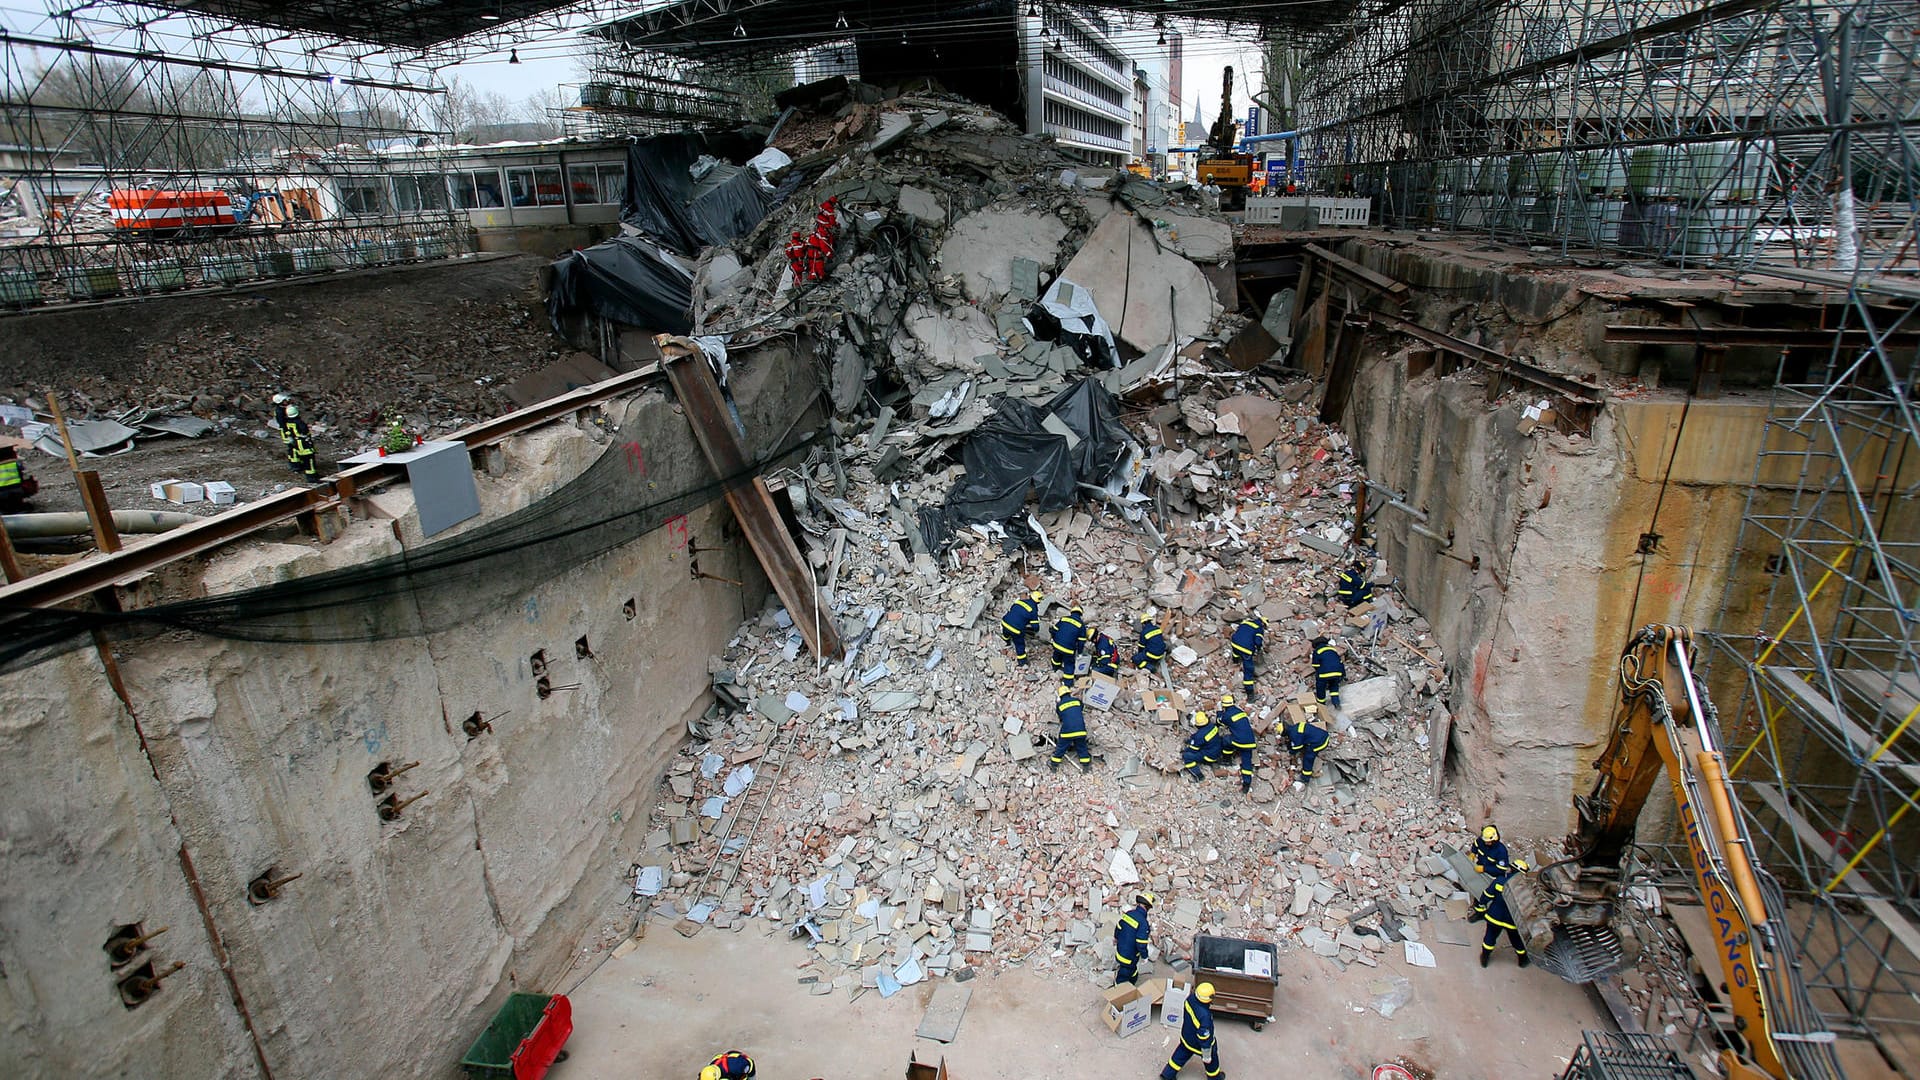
[1664, 720]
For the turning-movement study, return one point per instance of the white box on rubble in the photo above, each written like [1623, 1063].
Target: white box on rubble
[185, 491]
[159, 490]
[1101, 690]
[220, 493]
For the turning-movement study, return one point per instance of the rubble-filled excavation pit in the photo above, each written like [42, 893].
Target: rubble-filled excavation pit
[686, 690]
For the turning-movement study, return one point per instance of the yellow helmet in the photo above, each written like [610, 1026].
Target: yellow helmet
[711, 1072]
[1147, 898]
[1489, 834]
[1204, 992]
[1226, 699]
[1037, 594]
[1521, 865]
[1146, 616]
[1199, 718]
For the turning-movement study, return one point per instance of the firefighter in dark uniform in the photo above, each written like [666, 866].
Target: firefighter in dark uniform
[1130, 937]
[1018, 621]
[280, 403]
[1153, 645]
[1239, 737]
[1492, 906]
[1196, 1036]
[1307, 740]
[1204, 747]
[732, 1065]
[1073, 732]
[1328, 672]
[1490, 855]
[299, 440]
[1249, 637]
[1104, 655]
[1356, 585]
[1068, 634]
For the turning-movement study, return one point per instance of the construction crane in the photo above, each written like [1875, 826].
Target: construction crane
[1665, 721]
[1223, 165]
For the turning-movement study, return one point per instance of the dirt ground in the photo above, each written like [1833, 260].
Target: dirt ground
[669, 1006]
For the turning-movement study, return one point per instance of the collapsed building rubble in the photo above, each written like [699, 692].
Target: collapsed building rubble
[891, 810]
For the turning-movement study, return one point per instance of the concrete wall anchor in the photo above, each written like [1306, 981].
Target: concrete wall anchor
[126, 944]
[266, 887]
[391, 806]
[136, 988]
[380, 777]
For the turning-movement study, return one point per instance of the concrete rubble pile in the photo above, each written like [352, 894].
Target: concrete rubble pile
[953, 227]
[899, 816]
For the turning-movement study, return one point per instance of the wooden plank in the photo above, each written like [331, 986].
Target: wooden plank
[9, 563]
[1370, 277]
[747, 495]
[1889, 916]
[99, 511]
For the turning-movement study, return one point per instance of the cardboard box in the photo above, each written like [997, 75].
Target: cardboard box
[1168, 715]
[1173, 1000]
[182, 491]
[1129, 1009]
[1537, 415]
[159, 490]
[1101, 691]
[220, 493]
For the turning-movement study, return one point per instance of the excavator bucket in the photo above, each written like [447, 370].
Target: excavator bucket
[1581, 954]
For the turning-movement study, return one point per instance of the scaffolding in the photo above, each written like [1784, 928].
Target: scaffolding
[1726, 133]
[150, 150]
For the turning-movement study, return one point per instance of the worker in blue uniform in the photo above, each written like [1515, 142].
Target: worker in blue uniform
[1068, 635]
[1328, 672]
[1018, 621]
[1204, 746]
[731, 1065]
[1492, 906]
[1249, 637]
[1307, 740]
[1105, 656]
[1239, 737]
[1130, 937]
[1073, 732]
[1489, 854]
[1153, 645]
[1196, 1036]
[1356, 584]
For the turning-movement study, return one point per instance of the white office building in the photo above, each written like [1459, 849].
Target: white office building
[1080, 86]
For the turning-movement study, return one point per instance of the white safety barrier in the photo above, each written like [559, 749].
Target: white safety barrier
[1266, 210]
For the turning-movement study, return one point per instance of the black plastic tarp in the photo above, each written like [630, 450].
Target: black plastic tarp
[660, 198]
[1013, 453]
[626, 280]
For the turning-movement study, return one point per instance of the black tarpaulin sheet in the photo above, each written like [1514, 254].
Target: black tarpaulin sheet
[626, 280]
[1013, 453]
[660, 200]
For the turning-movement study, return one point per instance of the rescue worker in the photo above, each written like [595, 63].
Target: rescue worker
[1203, 747]
[1130, 937]
[1489, 854]
[1020, 619]
[797, 259]
[299, 439]
[1492, 906]
[1068, 635]
[1249, 637]
[1307, 740]
[14, 489]
[280, 402]
[1196, 1036]
[732, 1065]
[819, 250]
[1328, 672]
[827, 221]
[1239, 737]
[1356, 584]
[1153, 646]
[1105, 656]
[1073, 732]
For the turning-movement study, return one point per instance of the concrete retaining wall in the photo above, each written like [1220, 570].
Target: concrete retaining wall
[399, 938]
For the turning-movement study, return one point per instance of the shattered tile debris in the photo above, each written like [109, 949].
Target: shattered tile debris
[900, 822]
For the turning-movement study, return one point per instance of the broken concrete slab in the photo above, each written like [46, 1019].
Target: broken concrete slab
[976, 248]
[1148, 297]
[1369, 698]
[923, 205]
[949, 340]
[1201, 239]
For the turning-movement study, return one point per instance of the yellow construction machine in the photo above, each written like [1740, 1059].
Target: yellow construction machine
[1221, 163]
[1664, 721]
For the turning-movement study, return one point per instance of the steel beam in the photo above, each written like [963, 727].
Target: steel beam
[748, 496]
[1573, 390]
[1762, 337]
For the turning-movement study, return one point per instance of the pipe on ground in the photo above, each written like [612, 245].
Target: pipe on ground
[75, 523]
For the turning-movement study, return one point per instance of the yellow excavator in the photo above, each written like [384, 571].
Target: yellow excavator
[1222, 164]
[1665, 721]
